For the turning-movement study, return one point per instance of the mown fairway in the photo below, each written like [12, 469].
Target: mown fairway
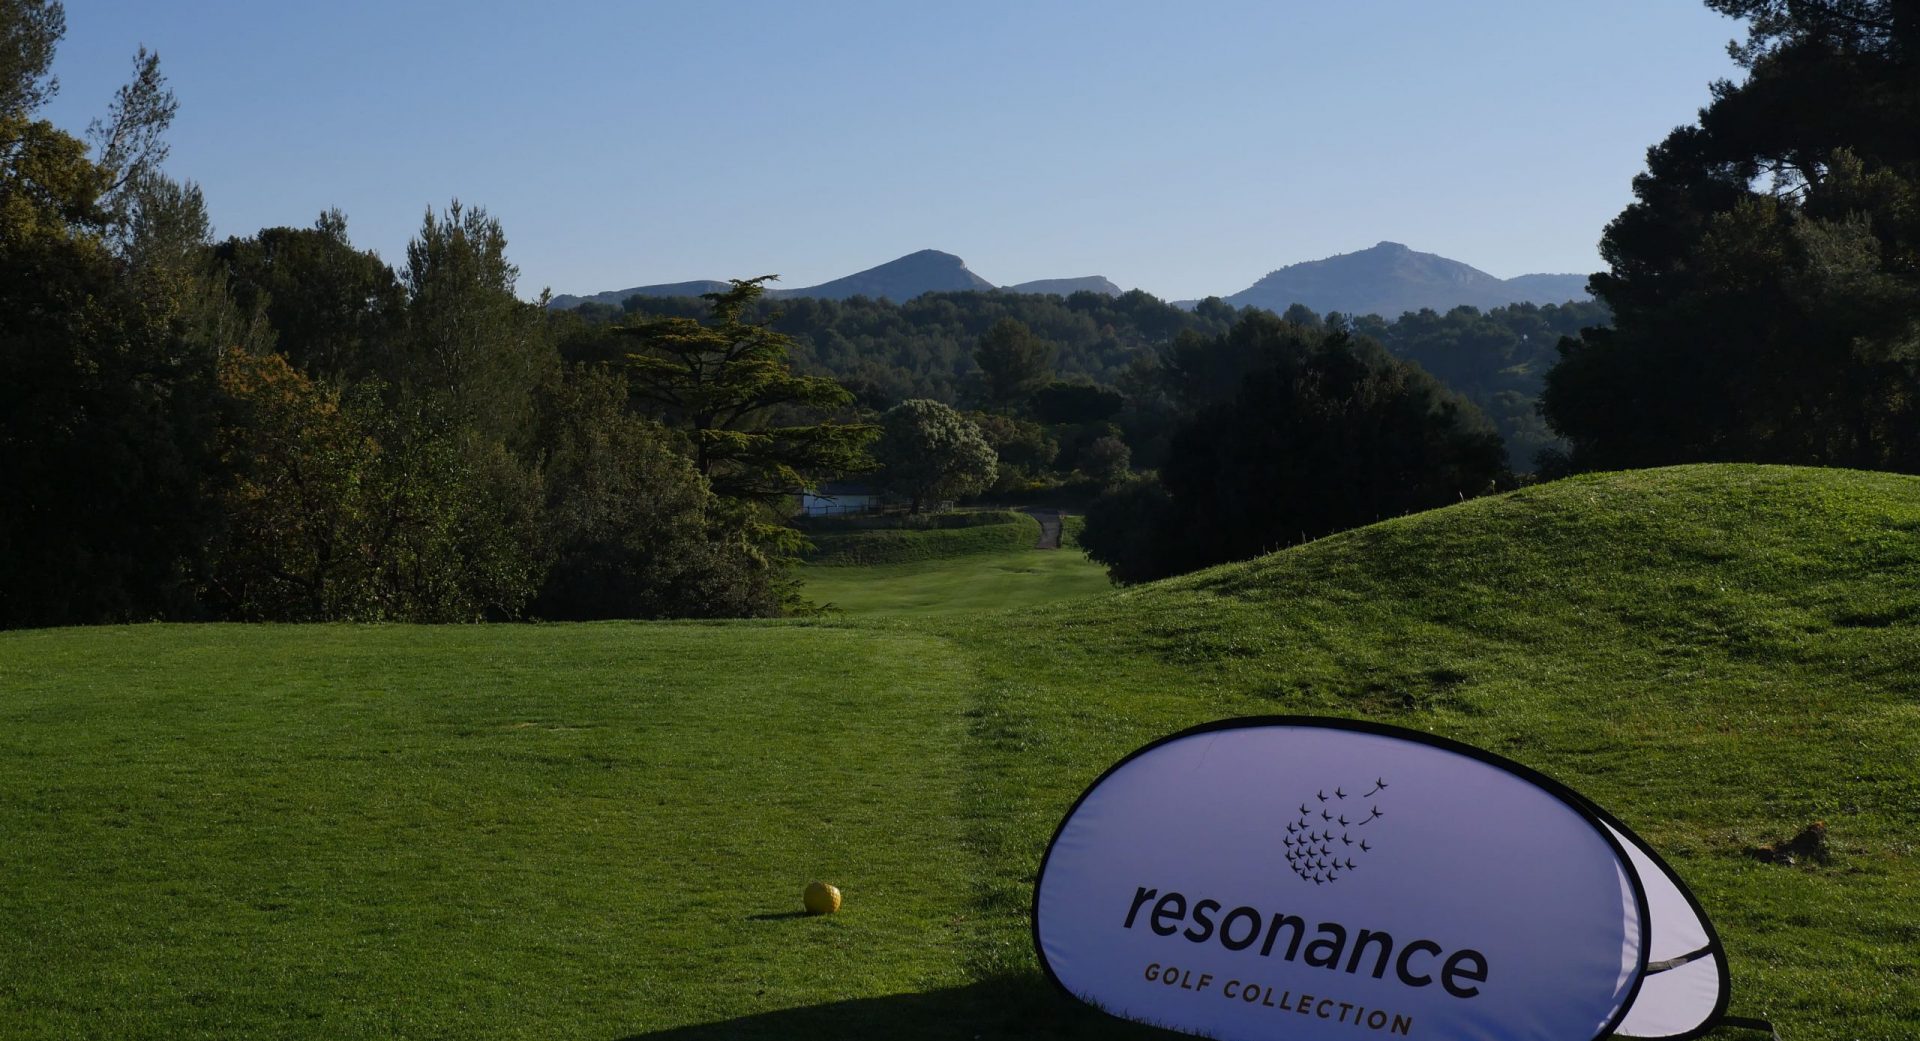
[593, 831]
[926, 573]
[1031, 580]
[532, 832]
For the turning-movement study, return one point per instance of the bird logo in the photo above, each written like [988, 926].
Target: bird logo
[1323, 855]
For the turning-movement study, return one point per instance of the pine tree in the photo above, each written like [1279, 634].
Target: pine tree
[751, 419]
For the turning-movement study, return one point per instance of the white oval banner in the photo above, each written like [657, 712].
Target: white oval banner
[1302, 878]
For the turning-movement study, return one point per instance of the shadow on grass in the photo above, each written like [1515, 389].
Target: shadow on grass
[1014, 1007]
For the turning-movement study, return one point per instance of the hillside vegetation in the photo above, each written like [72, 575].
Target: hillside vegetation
[601, 831]
[887, 352]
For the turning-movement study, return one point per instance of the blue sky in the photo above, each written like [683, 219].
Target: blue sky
[1184, 149]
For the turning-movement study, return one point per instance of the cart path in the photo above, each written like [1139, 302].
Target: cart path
[1049, 528]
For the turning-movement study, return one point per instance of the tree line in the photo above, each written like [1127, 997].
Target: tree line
[1283, 430]
[1765, 281]
[887, 352]
[282, 426]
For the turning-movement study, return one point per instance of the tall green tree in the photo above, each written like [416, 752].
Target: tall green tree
[1325, 431]
[109, 329]
[471, 344]
[336, 311]
[1013, 361]
[758, 429]
[1765, 282]
[130, 142]
[928, 453]
[30, 31]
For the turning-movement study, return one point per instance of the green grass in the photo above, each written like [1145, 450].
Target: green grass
[1001, 532]
[969, 517]
[1720, 655]
[509, 832]
[590, 831]
[1026, 579]
[970, 577]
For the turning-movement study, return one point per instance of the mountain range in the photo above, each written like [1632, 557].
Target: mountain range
[928, 271]
[1388, 280]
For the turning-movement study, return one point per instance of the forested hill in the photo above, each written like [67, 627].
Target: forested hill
[888, 352]
[1498, 358]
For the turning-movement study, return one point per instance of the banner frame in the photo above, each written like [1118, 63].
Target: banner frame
[1579, 804]
[1715, 947]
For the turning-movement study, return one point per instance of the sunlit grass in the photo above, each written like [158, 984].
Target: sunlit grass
[1027, 579]
[501, 832]
[594, 831]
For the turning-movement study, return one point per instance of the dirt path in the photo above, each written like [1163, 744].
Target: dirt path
[1049, 528]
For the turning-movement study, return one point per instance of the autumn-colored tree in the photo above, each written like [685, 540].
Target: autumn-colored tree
[339, 508]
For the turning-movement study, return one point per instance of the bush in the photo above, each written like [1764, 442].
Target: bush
[631, 529]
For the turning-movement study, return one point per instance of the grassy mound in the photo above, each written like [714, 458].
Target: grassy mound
[1720, 655]
[601, 831]
[938, 539]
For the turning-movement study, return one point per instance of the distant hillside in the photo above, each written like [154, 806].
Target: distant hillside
[616, 297]
[1549, 289]
[923, 348]
[1390, 280]
[928, 271]
[1066, 286]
